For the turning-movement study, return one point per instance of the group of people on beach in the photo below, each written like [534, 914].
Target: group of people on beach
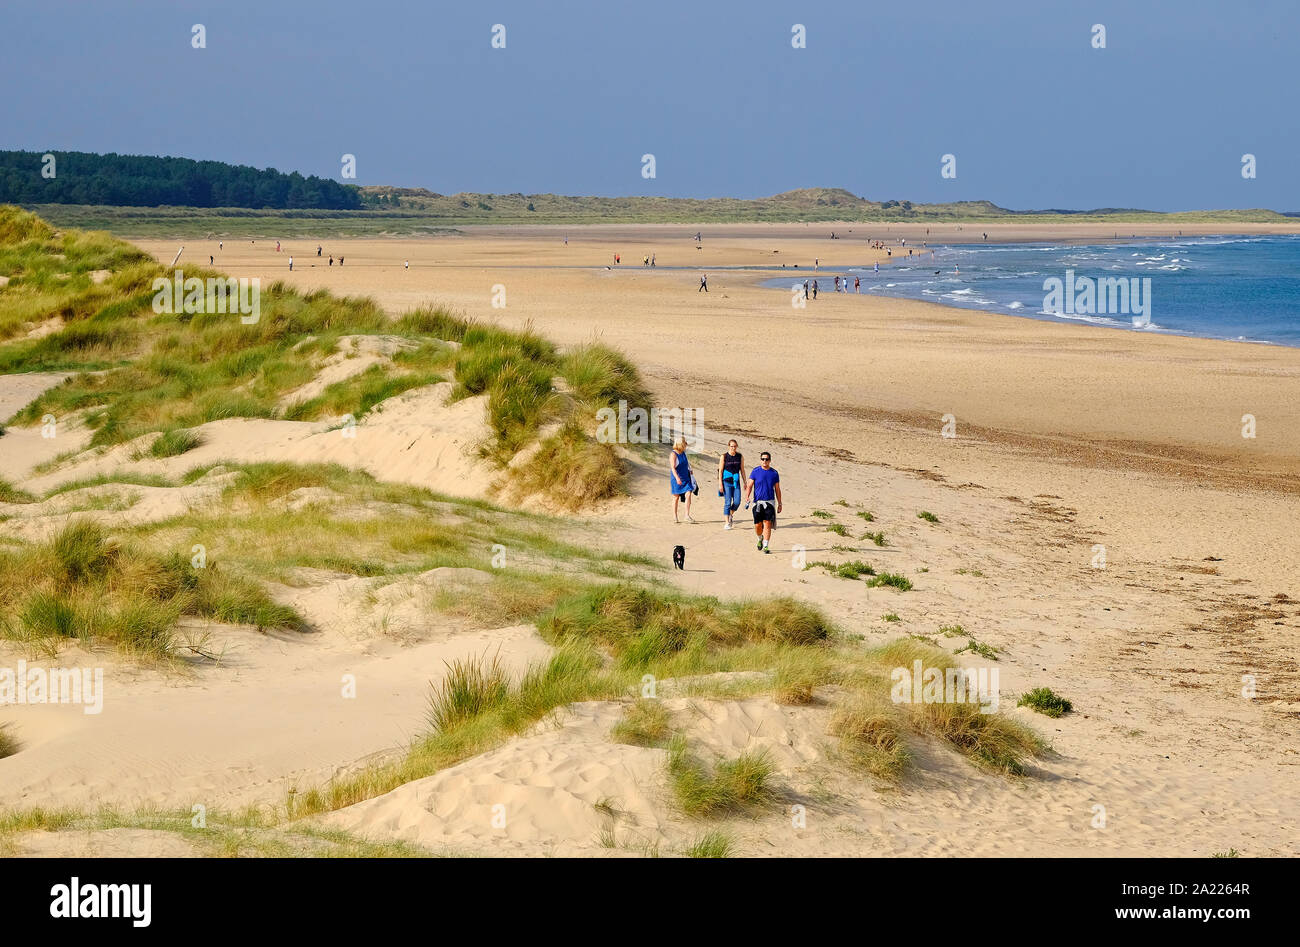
[761, 489]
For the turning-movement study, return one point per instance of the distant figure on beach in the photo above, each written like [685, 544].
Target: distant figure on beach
[318, 248]
[277, 246]
[837, 284]
[764, 485]
[731, 474]
[290, 264]
[680, 479]
[816, 263]
[877, 266]
[406, 264]
[331, 259]
[704, 284]
[699, 236]
[340, 261]
[814, 289]
[805, 289]
[857, 284]
[220, 244]
[645, 261]
[652, 259]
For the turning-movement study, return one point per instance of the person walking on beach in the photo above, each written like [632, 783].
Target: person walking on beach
[680, 479]
[764, 487]
[814, 289]
[652, 259]
[318, 249]
[221, 244]
[805, 289]
[857, 284]
[704, 284]
[331, 259]
[731, 474]
[277, 246]
[340, 261]
[209, 259]
[406, 264]
[290, 264]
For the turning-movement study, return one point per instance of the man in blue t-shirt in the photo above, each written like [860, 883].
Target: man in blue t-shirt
[764, 486]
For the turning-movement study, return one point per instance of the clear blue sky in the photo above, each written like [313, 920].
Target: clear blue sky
[1035, 116]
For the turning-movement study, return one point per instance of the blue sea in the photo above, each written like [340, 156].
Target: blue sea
[1229, 287]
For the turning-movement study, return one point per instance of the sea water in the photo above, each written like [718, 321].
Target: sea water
[1245, 288]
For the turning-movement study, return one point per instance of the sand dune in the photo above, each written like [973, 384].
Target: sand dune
[1068, 438]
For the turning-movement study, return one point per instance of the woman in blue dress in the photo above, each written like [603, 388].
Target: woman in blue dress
[680, 479]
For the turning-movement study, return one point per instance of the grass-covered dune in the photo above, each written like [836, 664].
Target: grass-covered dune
[84, 585]
[83, 303]
[612, 637]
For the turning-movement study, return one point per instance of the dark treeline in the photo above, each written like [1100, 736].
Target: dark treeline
[143, 181]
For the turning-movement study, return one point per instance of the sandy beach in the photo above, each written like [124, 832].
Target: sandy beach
[1066, 439]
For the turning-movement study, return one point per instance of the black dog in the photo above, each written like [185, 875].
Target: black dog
[679, 557]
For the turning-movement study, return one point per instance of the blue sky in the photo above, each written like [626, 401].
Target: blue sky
[1035, 116]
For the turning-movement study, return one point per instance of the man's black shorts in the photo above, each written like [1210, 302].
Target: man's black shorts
[766, 512]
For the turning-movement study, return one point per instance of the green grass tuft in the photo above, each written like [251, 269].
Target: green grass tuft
[900, 582]
[11, 494]
[977, 647]
[871, 735]
[8, 742]
[1043, 700]
[845, 570]
[175, 442]
[711, 845]
[730, 786]
[644, 723]
[470, 688]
